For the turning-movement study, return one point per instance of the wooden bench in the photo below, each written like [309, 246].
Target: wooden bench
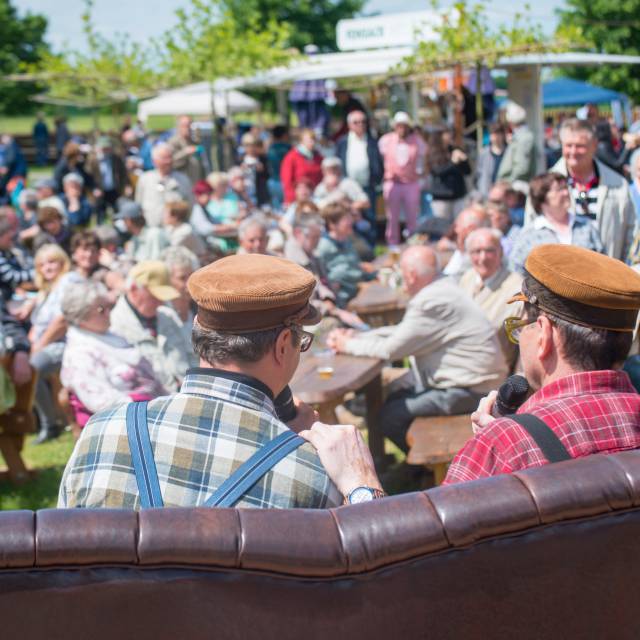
[14, 424]
[434, 441]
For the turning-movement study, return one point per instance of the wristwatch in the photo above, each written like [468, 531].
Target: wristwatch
[363, 494]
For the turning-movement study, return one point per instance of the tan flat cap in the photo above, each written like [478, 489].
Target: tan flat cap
[154, 275]
[251, 292]
[601, 292]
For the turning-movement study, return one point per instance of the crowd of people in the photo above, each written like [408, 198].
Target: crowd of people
[107, 267]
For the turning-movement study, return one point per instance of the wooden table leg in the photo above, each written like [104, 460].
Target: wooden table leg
[439, 472]
[10, 446]
[373, 396]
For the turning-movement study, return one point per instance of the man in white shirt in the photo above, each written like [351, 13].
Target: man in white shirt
[362, 162]
[161, 185]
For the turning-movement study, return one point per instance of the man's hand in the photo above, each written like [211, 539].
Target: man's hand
[344, 455]
[482, 417]
[338, 339]
[20, 369]
[306, 415]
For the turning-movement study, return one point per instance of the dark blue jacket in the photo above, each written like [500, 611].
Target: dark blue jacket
[376, 167]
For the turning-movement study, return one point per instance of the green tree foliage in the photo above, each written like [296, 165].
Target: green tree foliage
[608, 26]
[21, 42]
[109, 72]
[466, 36]
[211, 42]
[310, 21]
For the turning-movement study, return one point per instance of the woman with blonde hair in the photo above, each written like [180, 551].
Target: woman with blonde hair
[47, 334]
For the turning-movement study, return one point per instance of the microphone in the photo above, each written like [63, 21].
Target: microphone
[285, 409]
[511, 395]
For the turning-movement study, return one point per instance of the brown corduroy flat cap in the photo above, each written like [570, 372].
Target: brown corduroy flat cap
[246, 293]
[601, 292]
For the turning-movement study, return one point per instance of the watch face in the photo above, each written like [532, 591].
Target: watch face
[361, 494]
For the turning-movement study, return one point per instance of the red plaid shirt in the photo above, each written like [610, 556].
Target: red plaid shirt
[591, 412]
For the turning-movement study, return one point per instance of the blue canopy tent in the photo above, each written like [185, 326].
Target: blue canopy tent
[565, 92]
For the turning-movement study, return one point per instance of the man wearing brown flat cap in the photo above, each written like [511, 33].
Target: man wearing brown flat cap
[580, 311]
[248, 333]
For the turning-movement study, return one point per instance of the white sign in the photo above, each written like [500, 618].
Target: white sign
[391, 30]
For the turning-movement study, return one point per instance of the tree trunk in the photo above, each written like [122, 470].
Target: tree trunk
[479, 109]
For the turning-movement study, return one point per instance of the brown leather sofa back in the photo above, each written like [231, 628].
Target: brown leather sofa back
[546, 553]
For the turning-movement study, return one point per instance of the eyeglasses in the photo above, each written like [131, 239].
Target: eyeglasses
[358, 122]
[514, 326]
[306, 339]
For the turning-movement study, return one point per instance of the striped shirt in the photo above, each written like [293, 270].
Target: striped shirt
[199, 437]
[585, 196]
[12, 274]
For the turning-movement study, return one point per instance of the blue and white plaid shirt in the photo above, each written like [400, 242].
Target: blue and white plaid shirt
[199, 437]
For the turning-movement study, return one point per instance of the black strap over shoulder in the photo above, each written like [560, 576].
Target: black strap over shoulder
[544, 437]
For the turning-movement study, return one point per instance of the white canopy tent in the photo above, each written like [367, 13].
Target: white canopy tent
[195, 100]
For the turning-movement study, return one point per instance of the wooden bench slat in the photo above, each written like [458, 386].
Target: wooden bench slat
[437, 439]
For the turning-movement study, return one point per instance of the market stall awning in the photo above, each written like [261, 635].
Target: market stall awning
[568, 92]
[195, 100]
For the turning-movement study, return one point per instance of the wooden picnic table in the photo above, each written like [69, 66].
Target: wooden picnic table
[379, 305]
[350, 373]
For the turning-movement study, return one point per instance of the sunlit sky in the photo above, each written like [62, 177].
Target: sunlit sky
[145, 19]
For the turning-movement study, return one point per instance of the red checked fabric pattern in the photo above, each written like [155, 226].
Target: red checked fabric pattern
[591, 412]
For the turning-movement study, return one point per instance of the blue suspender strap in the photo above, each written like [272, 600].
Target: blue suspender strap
[144, 465]
[253, 469]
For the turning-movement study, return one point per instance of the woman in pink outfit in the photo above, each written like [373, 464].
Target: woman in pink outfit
[403, 152]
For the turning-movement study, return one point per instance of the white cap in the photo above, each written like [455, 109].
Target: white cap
[515, 114]
[402, 117]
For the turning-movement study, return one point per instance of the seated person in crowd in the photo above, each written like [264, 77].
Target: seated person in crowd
[12, 272]
[46, 190]
[181, 264]
[457, 355]
[500, 219]
[112, 256]
[248, 334]
[580, 311]
[492, 285]
[332, 181]
[502, 192]
[303, 193]
[204, 219]
[554, 222]
[52, 229]
[238, 186]
[223, 205]
[100, 369]
[468, 220]
[344, 268]
[142, 319]
[15, 343]
[77, 208]
[179, 232]
[146, 243]
[253, 236]
[47, 334]
[27, 211]
[300, 248]
[85, 256]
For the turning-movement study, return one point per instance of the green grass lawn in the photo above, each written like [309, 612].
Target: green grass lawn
[83, 123]
[49, 459]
